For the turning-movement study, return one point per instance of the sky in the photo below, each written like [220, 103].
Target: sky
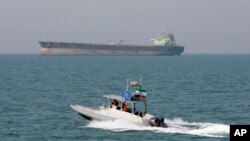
[202, 26]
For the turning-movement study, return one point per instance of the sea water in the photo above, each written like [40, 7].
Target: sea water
[198, 95]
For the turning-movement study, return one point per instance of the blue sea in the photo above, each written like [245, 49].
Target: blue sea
[198, 95]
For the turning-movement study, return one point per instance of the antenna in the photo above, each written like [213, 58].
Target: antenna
[163, 33]
[140, 81]
[127, 84]
[45, 38]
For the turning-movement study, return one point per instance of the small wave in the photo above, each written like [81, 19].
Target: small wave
[176, 125]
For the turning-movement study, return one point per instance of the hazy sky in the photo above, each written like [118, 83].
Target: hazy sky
[202, 26]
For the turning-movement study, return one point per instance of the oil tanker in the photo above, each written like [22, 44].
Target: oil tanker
[163, 45]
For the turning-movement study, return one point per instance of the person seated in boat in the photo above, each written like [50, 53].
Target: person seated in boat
[124, 107]
[114, 103]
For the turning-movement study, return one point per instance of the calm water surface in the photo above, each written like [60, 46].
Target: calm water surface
[199, 96]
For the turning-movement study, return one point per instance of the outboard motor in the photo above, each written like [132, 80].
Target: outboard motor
[158, 122]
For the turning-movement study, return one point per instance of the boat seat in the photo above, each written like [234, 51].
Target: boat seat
[129, 110]
[139, 113]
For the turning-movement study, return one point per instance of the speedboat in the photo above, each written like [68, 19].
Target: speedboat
[131, 105]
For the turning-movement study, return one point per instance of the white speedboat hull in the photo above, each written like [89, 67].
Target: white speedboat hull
[107, 113]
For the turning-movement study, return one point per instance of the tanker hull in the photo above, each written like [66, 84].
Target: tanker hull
[86, 49]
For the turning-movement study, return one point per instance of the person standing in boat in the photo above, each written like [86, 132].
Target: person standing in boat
[124, 106]
[114, 103]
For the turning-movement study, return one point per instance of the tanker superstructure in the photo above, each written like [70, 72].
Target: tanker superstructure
[162, 46]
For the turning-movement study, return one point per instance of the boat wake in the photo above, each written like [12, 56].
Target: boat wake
[175, 125]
